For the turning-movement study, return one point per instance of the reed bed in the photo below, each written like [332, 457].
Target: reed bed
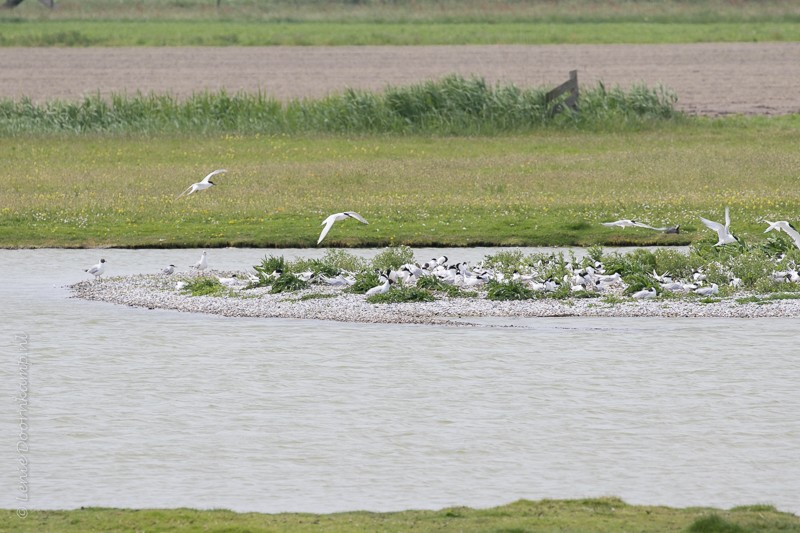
[453, 105]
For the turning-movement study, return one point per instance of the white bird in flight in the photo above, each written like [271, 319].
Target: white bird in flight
[201, 185]
[787, 228]
[328, 222]
[98, 269]
[627, 223]
[724, 235]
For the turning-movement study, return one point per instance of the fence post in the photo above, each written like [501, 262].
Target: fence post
[570, 88]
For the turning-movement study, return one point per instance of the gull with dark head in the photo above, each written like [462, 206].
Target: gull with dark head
[724, 235]
[336, 217]
[201, 185]
[98, 269]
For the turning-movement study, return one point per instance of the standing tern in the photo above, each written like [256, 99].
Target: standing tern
[168, 270]
[787, 228]
[724, 235]
[98, 269]
[328, 222]
[201, 185]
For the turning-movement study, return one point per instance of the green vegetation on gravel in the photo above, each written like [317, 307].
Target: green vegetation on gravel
[395, 22]
[545, 516]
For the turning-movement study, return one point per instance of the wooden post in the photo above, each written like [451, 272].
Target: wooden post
[570, 88]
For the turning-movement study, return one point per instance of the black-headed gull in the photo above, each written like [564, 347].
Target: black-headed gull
[787, 228]
[724, 235]
[98, 269]
[201, 185]
[328, 222]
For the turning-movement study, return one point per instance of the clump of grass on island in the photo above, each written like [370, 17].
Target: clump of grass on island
[595, 515]
[205, 286]
[453, 105]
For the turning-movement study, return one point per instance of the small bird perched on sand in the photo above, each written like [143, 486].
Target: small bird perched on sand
[98, 269]
[328, 222]
[201, 185]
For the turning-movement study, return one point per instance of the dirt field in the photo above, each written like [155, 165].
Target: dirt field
[710, 79]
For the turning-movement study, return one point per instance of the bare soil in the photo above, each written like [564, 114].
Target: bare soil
[709, 79]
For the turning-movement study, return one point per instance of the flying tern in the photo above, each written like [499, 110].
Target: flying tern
[201, 185]
[328, 222]
[724, 235]
[787, 228]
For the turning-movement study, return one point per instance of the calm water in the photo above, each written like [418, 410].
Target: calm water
[137, 408]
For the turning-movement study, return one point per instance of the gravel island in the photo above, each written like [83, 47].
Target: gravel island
[160, 292]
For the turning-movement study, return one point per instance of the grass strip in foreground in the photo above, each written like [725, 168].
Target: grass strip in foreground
[545, 516]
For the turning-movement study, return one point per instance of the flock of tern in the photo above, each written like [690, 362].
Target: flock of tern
[591, 278]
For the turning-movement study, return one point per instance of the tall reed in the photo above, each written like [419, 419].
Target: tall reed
[453, 105]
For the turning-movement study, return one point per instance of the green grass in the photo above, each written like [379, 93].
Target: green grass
[395, 22]
[552, 187]
[205, 286]
[545, 516]
[81, 33]
[401, 294]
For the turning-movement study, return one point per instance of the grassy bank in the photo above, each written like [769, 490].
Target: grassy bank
[551, 187]
[81, 33]
[375, 22]
[585, 516]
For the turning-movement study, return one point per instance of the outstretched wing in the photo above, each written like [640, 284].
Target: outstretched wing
[356, 216]
[328, 225]
[716, 226]
[219, 171]
[727, 217]
[188, 191]
[613, 224]
[643, 225]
